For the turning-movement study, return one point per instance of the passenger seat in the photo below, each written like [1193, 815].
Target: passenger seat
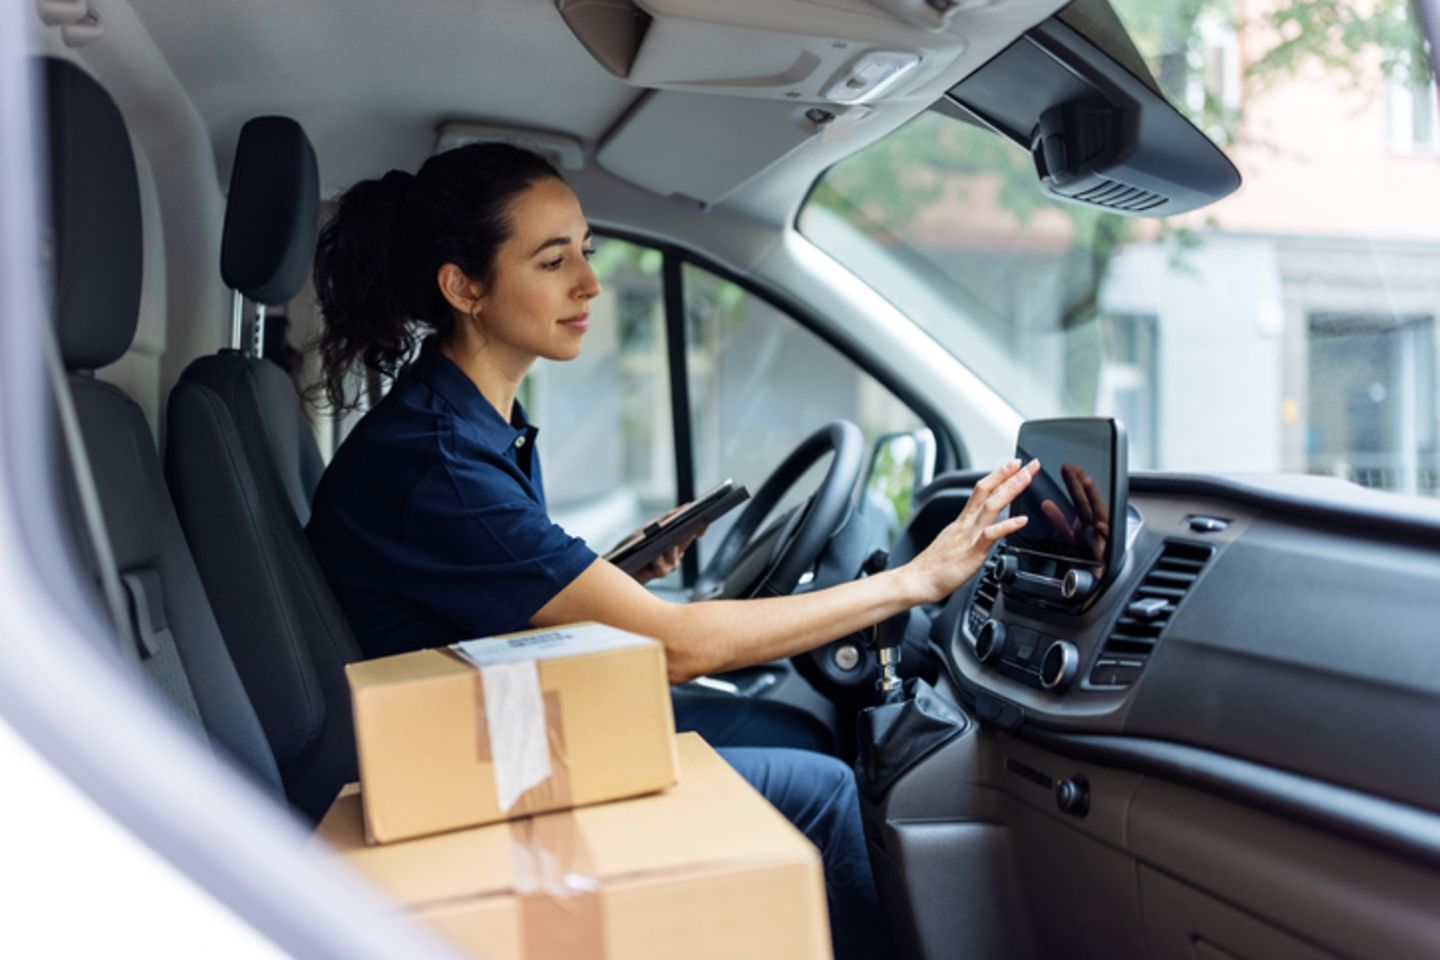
[98, 248]
[242, 463]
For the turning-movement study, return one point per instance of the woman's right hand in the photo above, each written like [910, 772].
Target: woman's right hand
[958, 552]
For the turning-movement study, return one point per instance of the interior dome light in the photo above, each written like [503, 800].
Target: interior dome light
[870, 75]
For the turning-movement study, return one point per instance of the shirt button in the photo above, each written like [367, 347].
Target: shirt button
[519, 441]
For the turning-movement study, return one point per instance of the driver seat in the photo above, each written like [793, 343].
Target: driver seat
[242, 463]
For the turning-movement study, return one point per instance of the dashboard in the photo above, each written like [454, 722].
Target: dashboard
[1291, 622]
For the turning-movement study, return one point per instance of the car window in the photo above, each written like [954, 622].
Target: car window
[1290, 327]
[760, 383]
[606, 428]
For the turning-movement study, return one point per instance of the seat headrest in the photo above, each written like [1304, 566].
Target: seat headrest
[272, 213]
[95, 214]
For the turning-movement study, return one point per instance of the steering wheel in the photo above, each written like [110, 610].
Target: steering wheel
[769, 562]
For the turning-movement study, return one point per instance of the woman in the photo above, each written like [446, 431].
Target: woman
[431, 520]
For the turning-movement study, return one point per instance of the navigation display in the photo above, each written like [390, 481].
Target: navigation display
[1078, 497]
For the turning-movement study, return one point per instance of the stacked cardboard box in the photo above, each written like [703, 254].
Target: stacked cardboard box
[508, 726]
[486, 771]
[707, 869]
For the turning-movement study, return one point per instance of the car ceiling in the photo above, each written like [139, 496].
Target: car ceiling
[371, 80]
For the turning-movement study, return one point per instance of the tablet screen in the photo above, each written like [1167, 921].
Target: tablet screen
[1069, 503]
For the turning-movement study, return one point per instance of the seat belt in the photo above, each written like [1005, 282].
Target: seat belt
[84, 477]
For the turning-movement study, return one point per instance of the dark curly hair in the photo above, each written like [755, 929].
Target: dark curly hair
[377, 258]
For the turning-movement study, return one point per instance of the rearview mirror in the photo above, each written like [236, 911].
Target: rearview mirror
[1100, 132]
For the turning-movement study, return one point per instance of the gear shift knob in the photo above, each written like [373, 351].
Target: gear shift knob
[879, 639]
[889, 683]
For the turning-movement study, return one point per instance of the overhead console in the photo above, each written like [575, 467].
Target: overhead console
[791, 74]
[840, 52]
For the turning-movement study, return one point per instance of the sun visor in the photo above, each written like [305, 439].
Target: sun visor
[702, 158]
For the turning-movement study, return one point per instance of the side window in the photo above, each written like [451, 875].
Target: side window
[606, 427]
[760, 383]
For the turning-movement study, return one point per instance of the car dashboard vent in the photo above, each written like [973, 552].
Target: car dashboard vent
[1147, 613]
[986, 591]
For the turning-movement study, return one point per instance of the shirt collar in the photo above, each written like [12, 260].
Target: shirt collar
[460, 392]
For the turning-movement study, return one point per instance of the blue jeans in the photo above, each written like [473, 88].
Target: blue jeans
[730, 721]
[816, 793]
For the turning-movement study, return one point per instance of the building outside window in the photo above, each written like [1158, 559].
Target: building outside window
[1414, 117]
[1374, 423]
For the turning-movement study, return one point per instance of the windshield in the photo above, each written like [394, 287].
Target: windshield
[1290, 327]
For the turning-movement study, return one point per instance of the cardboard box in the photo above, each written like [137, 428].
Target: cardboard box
[510, 726]
[707, 869]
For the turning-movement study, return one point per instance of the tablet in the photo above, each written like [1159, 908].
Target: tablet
[640, 550]
[1080, 491]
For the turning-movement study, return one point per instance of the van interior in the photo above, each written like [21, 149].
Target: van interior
[1203, 727]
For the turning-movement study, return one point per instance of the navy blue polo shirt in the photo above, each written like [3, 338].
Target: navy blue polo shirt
[430, 522]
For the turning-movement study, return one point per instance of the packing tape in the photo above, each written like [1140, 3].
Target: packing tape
[515, 719]
[561, 913]
[559, 889]
[511, 734]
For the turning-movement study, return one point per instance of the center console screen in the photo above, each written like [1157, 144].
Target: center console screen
[1076, 503]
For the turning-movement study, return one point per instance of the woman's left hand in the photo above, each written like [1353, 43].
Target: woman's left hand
[665, 564]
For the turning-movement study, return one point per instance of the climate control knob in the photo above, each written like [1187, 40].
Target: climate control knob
[1077, 584]
[1059, 666]
[1004, 567]
[990, 641]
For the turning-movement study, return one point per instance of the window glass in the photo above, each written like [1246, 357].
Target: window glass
[1379, 401]
[1289, 327]
[606, 430]
[1414, 115]
[760, 384]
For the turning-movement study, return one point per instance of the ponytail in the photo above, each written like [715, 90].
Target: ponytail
[377, 259]
[357, 280]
